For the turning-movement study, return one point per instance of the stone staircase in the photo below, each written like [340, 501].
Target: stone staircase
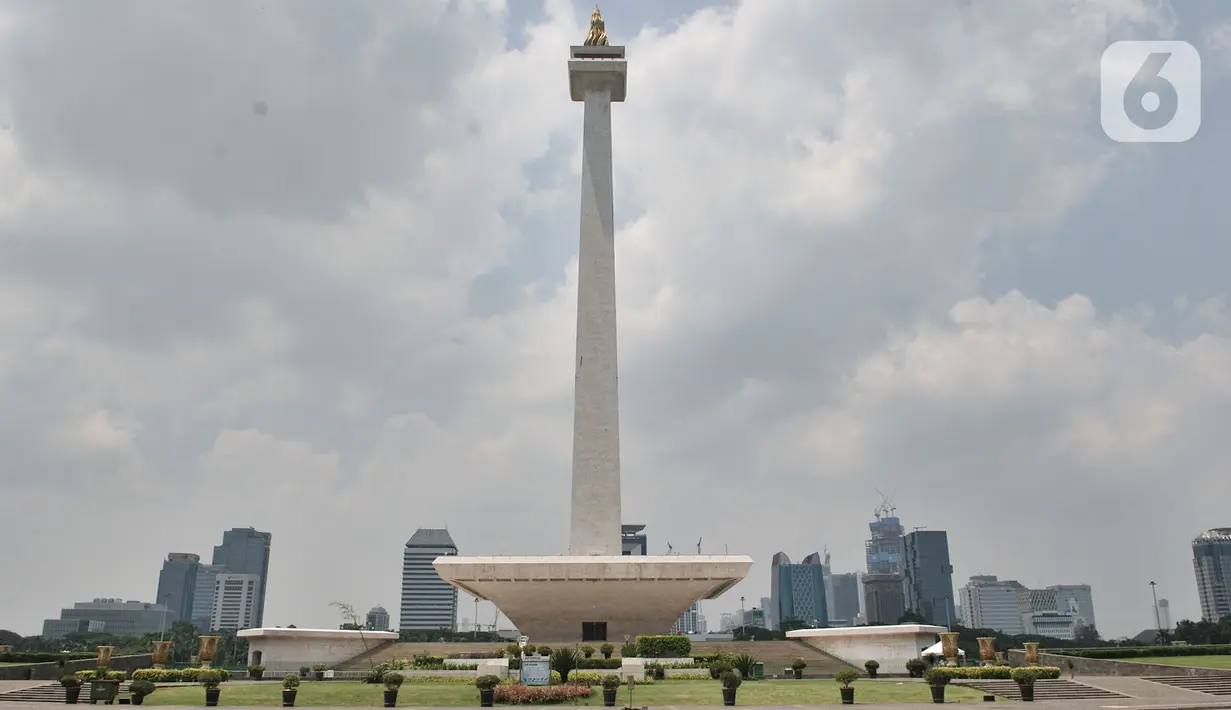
[50, 693]
[1209, 684]
[1043, 689]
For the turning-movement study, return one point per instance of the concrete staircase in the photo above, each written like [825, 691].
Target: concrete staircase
[1209, 684]
[49, 693]
[1043, 689]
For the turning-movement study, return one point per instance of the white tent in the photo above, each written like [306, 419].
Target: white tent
[936, 651]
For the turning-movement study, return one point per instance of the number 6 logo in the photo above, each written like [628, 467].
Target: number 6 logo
[1151, 92]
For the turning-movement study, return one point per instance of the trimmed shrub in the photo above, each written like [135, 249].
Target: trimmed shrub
[606, 649]
[606, 664]
[846, 677]
[393, 680]
[587, 651]
[156, 675]
[539, 695]
[586, 678]
[731, 680]
[663, 647]
[938, 676]
[256, 672]
[487, 682]
[628, 650]
[1130, 652]
[141, 688]
[190, 675]
[1029, 674]
[290, 681]
[611, 681]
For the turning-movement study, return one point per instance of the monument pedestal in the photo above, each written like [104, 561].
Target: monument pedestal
[555, 598]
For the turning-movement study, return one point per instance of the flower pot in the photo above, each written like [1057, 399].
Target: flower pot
[161, 650]
[391, 698]
[728, 696]
[871, 672]
[1027, 691]
[487, 698]
[948, 645]
[211, 697]
[288, 697]
[71, 694]
[1032, 653]
[320, 675]
[208, 649]
[798, 672]
[609, 697]
[138, 699]
[848, 695]
[938, 693]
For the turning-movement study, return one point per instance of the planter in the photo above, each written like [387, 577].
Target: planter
[103, 659]
[71, 694]
[488, 697]
[798, 672]
[104, 691]
[211, 696]
[948, 645]
[391, 698]
[848, 695]
[1032, 653]
[1027, 691]
[288, 697]
[161, 650]
[209, 648]
[871, 672]
[609, 697]
[987, 649]
[728, 696]
[320, 675]
[138, 699]
[938, 693]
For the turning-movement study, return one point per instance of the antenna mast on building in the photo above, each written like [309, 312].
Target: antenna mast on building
[699, 546]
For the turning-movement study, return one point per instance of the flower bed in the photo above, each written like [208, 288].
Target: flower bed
[540, 695]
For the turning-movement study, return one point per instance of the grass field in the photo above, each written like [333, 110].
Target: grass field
[1198, 661]
[672, 692]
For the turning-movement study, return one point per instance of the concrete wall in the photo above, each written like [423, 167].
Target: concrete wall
[53, 671]
[1112, 667]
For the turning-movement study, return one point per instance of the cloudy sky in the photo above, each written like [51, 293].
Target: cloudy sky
[310, 266]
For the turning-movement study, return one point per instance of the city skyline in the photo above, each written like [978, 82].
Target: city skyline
[295, 267]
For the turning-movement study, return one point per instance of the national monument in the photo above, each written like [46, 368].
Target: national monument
[595, 593]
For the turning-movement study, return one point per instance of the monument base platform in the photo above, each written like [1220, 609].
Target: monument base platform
[284, 651]
[593, 599]
[890, 646]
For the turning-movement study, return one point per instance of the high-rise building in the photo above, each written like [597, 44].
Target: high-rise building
[633, 540]
[1212, 565]
[1076, 599]
[377, 619]
[845, 599]
[112, 616]
[797, 591]
[236, 598]
[246, 551]
[690, 622]
[203, 595]
[990, 603]
[428, 602]
[884, 548]
[927, 576]
[177, 583]
[1164, 614]
[884, 602]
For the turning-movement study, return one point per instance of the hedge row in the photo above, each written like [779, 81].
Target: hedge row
[25, 657]
[588, 664]
[110, 675]
[664, 646]
[174, 675]
[1143, 651]
[995, 673]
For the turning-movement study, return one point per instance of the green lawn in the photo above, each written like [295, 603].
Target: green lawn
[1198, 661]
[670, 692]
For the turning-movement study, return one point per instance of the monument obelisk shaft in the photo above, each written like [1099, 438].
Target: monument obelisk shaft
[596, 78]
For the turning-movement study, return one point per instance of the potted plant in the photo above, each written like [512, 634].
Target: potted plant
[916, 667]
[544, 650]
[720, 667]
[256, 672]
[730, 683]
[1025, 677]
[210, 678]
[611, 685]
[290, 689]
[304, 671]
[393, 681]
[937, 679]
[871, 667]
[797, 668]
[139, 689]
[487, 689]
[319, 669]
[606, 649]
[846, 677]
[72, 688]
[587, 651]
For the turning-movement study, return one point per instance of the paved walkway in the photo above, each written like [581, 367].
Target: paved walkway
[1145, 690]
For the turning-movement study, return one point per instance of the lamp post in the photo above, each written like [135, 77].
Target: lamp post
[476, 618]
[1158, 623]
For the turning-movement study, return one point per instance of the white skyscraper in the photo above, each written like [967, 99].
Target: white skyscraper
[236, 600]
